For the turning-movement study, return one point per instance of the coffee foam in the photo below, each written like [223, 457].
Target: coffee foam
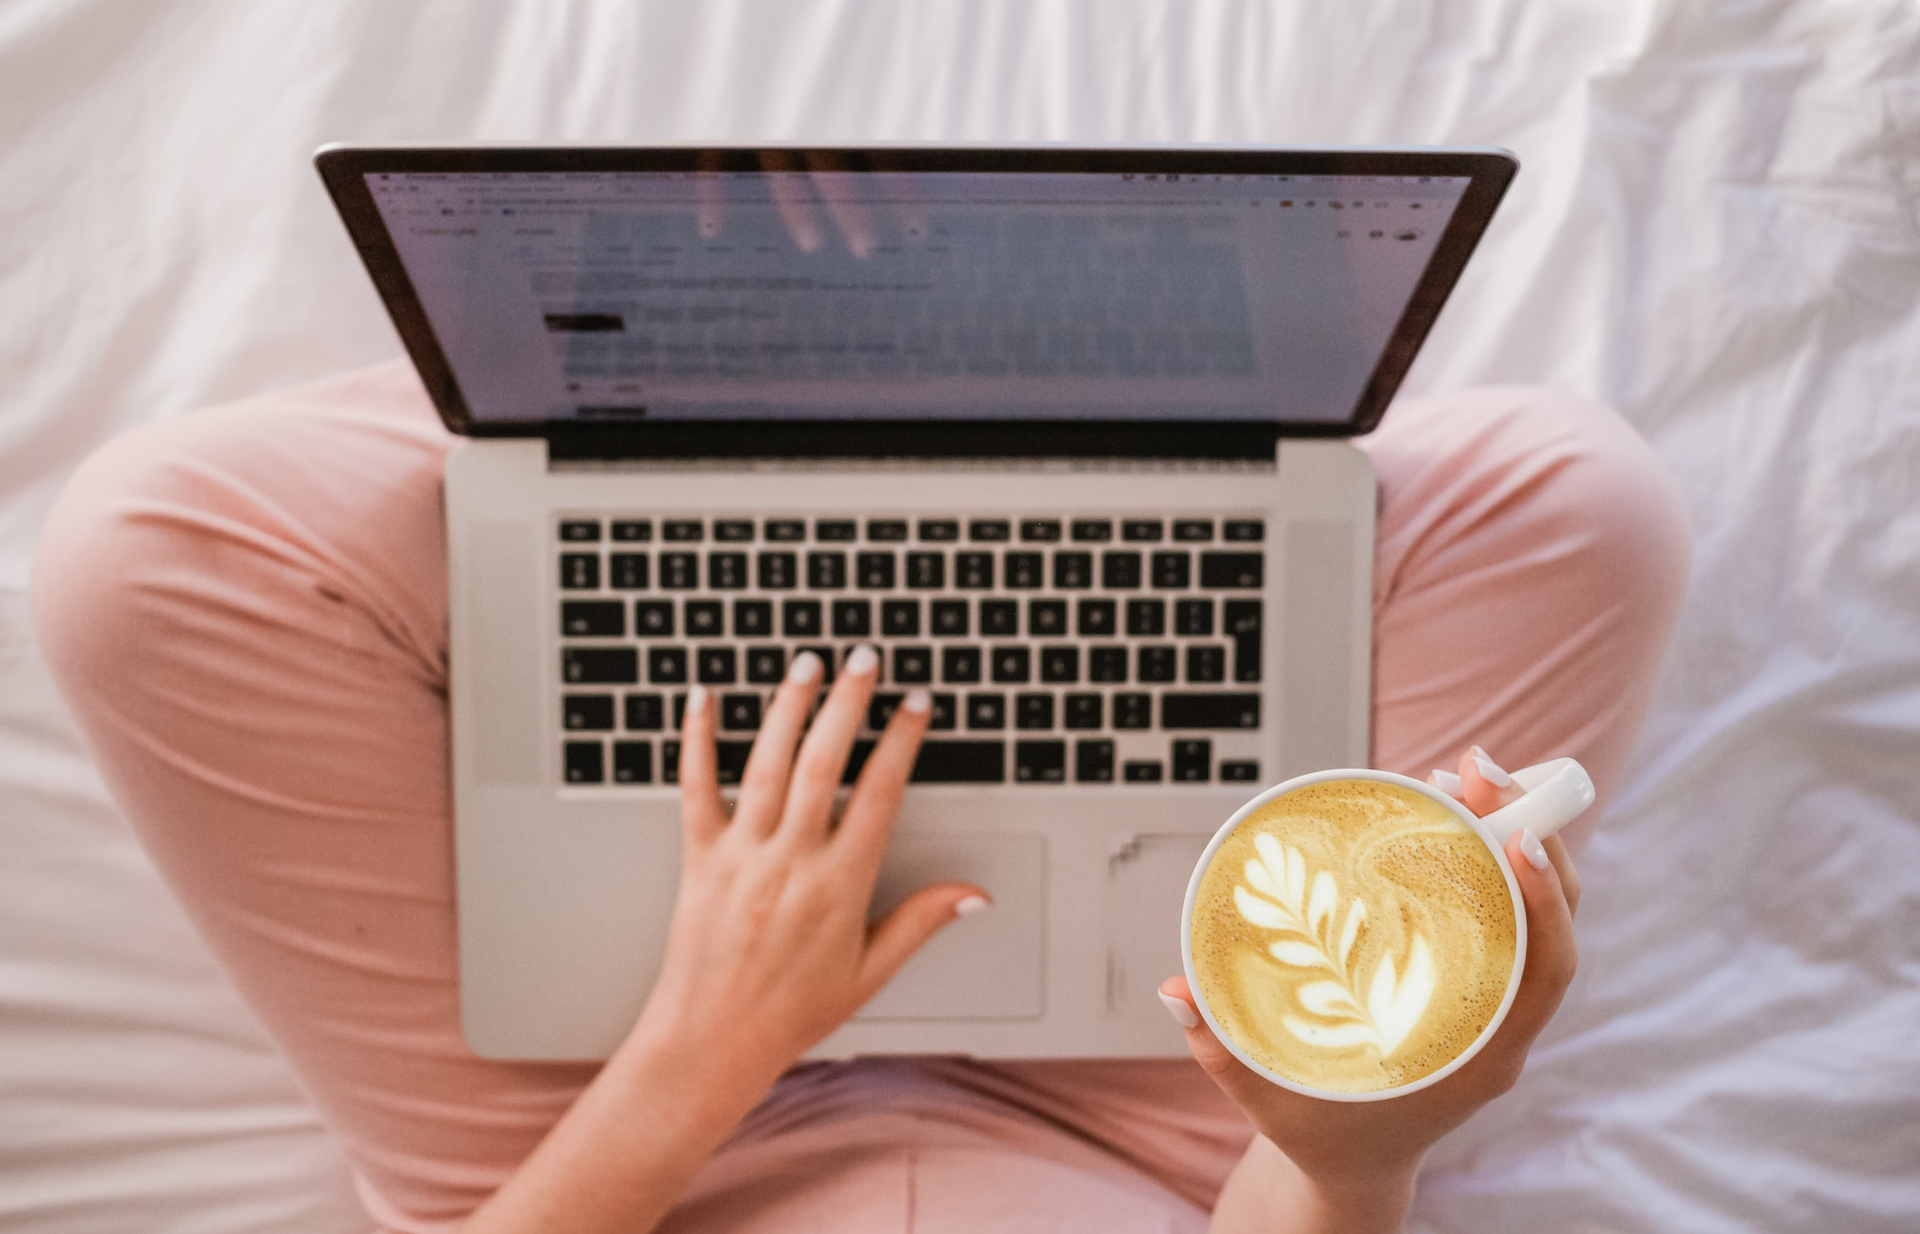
[1353, 935]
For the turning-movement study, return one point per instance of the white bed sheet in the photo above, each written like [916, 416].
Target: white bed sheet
[1716, 229]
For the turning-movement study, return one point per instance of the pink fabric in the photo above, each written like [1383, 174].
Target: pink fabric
[246, 609]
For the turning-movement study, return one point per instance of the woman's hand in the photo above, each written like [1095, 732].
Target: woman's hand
[770, 948]
[1370, 1149]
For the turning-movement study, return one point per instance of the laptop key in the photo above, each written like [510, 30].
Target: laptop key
[1033, 711]
[1093, 761]
[752, 618]
[1146, 618]
[1119, 570]
[1210, 710]
[961, 762]
[1060, 665]
[950, 618]
[1244, 530]
[679, 571]
[1142, 771]
[939, 530]
[730, 760]
[835, 530]
[1073, 571]
[705, 619]
[1040, 762]
[653, 618]
[740, 711]
[1193, 617]
[873, 571]
[580, 571]
[632, 530]
[727, 571]
[900, 618]
[1096, 618]
[1231, 569]
[733, 530]
[627, 571]
[766, 665]
[786, 530]
[960, 665]
[1133, 711]
[1107, 665]
[682, 530]
[887, 530]
[990, 530]
[1157, 662]
[586, 712]
[880, 709]
[718, 666]
[852, 618]
[1081, 711]
[1206, 664]
[800, 618]
[645, 713]
[1040, 530]
[777, 571]
[577, 530]
[1192, 761]
[1046, 618]
[1172, 569]
[585, 762]
[1193, 530]
[826, 571]
[945, 714]
[826, 661]
[599, 665]
[999, 617]
[986, 711]
[1012, 665]
[1240, 620]
[1239, 771]
[973, 571]
[633, 762]
[912, 665]
[1143, 530]
[593, 618]
[667, 665]
[926, 570]
[1024, 571]
[1094, 530]
[669, 762]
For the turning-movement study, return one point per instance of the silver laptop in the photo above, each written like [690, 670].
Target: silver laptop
[1062, 432]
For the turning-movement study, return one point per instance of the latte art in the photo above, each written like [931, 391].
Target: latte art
[1353, 935]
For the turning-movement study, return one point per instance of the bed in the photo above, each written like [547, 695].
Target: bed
[1716, 230]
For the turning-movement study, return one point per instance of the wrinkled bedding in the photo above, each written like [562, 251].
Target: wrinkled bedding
[1716, 230]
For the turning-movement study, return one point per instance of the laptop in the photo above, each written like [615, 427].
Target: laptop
[1064, 433]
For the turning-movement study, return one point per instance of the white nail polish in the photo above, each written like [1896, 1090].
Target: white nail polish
[863, 660]
[971, 905]
[1530, 846]
[696, 700]
[917, 700]
[1181, 1013]
[805, 667]
[1447, 782]
[1491, 771]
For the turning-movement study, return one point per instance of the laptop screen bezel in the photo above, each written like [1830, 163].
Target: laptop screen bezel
[345, 168]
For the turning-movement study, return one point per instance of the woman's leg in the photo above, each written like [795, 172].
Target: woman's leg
[246, 610]
[1532, 553]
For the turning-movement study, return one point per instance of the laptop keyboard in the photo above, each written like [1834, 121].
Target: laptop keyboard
[1099, 650]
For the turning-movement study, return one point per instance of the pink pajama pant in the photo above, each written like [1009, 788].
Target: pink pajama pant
[246, 609]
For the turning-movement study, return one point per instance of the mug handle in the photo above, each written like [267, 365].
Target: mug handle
[1558, 791]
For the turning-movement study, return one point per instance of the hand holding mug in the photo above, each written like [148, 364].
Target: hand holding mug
[1354, 1137]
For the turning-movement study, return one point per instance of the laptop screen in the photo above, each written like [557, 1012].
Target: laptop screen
[801, 291]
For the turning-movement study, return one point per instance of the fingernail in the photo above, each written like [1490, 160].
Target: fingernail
[805, 667]
[1181, 1013]
[1534, 851]
[1447, 782]
[696, 700]
[971, 905]
[917, 700]
[1490, 770]
[863, 660]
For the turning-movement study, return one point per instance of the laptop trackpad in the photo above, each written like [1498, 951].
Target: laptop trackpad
[988, 966]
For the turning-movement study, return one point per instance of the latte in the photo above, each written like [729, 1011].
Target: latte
[1353, 936]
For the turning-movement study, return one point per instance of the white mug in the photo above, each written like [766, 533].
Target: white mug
[1558, 792]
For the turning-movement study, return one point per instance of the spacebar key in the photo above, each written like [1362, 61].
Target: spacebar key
[1210, 711]
[961, 762]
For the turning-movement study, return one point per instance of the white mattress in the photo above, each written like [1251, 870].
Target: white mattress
[1716, 229]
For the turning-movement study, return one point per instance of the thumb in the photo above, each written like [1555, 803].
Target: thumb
[907, 928]
[1234, 1077]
